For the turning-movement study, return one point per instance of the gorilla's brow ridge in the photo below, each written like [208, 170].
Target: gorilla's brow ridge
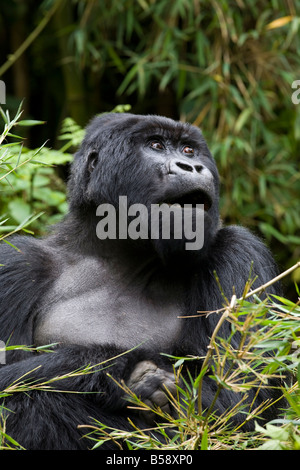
[175, 131]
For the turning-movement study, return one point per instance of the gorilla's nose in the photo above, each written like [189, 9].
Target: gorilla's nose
[179, 167]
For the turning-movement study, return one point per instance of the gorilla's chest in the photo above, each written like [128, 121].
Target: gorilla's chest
[92, 304]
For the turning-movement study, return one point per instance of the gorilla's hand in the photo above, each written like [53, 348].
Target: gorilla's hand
[149, 383]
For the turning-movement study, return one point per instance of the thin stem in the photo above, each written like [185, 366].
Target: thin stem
[210, 348]
[28, 41]
[272, 281]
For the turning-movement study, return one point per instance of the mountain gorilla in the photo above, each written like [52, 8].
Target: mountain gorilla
[98, 298]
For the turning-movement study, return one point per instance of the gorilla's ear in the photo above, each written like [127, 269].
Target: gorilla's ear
[92, 160]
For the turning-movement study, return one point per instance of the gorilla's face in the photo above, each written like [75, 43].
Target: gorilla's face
[152, 161]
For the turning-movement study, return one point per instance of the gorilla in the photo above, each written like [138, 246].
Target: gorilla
[122, 305]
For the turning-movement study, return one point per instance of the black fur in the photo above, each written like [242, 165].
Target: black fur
[115, 159]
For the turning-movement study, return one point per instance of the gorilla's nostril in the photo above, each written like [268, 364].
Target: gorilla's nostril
[198, 168]
[185, 166]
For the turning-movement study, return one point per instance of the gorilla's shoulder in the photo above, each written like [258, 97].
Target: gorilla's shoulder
[25, 255]
[237, 236]
[239, 247]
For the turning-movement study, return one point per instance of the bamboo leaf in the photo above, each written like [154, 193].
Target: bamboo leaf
[30, 122]
[279, 22]
[242, 119]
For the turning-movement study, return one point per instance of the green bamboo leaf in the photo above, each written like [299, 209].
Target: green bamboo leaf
[30, 122]
[242, 119]
[128, 79]
[204, 440]
[270, 230]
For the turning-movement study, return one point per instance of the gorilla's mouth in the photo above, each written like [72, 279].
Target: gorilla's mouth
[193, 198]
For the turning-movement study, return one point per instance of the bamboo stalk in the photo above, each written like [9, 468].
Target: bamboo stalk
[12, 58]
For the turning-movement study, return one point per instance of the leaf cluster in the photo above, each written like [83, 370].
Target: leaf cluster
[268, 348]
[31, 176]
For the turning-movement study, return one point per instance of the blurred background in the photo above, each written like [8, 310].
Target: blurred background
[225, 66]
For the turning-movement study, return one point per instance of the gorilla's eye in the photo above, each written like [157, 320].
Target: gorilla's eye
[188, 150]
[156, 145]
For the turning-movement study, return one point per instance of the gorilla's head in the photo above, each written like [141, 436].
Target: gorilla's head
[151, 160]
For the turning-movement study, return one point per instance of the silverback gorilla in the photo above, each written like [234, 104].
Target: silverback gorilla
[97, 298]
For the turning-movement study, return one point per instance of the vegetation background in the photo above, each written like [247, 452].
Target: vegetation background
[226, 66]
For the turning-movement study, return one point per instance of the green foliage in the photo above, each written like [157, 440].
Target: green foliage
[270, 326]
[31, 177]
[280, 438]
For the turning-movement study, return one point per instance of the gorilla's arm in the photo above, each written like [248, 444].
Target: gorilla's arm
[26, 273]
[78, 397]
[238, 256]
[63, 368]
